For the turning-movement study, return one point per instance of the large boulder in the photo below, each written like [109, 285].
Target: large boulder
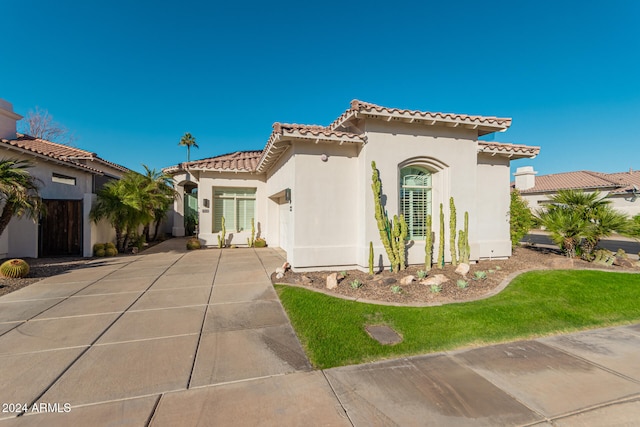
[332, 281]
[462, 269]
[437, 279]
[406, 280]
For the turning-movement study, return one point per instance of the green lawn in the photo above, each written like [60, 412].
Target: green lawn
[534, 304]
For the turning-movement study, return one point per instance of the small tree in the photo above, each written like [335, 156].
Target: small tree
[40, 124]
[520, 217]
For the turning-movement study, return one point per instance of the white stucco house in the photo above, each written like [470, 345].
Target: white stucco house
[622, 189]
[309, 189]
[69, 178]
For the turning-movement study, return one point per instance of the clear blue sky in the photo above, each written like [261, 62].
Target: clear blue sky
[130, 77]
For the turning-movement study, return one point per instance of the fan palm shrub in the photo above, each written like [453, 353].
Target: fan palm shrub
[578, 220]
[18, 192]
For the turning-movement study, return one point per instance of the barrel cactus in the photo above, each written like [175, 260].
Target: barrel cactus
[110, 251]
[193, 243]
[98, 249]
[110, 246]
[14, 268]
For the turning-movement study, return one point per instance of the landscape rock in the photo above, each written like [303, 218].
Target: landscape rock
[438, 279]
[332, 281]
[406, 280]
[305, 280]
[624, 262]
[279, 275]
[561, 263]
[389, 281]
[279, 270]
[462, 269]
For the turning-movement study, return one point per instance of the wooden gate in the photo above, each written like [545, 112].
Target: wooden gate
[61, 228]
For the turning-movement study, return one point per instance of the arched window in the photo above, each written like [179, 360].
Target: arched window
[415, 199]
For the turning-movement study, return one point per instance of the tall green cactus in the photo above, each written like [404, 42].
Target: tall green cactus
[452, 231]
[399, 237]
[222, 240]
[428, 245]
[463, 241]
[371, 258]
[393, 234]
[467, 247]
[384, 225]
[440, 261]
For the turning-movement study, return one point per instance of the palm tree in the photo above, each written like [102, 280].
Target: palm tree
[18, 191]
[110, 205]
[189, 141]
[161, 187]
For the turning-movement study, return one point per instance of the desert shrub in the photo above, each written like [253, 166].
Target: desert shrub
[355, 284]
[521, 218]
[479, 275]
[396, 289]
[462, 284]
[98, 246]
[436, 289]
[193, 243]
[109, 245]
[99, 252]
[14, 268]
[421, 274]
[259, 243]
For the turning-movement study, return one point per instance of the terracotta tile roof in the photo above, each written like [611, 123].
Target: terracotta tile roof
[484, 124]
[64, 153]
[239, 161]
[515, 151]
[313, 132]
[283, 133]
[616, 183]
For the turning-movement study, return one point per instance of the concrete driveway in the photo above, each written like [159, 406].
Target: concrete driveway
[176, 338]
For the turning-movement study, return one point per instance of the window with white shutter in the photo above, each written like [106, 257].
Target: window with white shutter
[237, 205]
[415, 200]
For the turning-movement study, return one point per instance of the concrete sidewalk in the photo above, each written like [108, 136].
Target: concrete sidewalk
[199, 338]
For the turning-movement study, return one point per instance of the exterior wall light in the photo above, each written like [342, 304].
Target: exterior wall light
[324, 157]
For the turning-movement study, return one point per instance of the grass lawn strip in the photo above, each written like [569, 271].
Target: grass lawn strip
[535, 304]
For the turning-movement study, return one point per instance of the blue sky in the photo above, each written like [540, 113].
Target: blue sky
[130, 77]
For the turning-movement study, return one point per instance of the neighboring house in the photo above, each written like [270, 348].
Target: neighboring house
[309, 190]
[69, 178]
[621, 188]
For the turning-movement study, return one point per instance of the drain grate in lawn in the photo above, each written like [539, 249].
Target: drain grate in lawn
[383, 334]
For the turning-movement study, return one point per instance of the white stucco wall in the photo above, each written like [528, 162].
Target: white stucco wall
[489, 232]
[280, 218]
[325, 205]
[450, 154]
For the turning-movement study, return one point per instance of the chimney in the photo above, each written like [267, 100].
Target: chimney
[8, 120]
[525, 178]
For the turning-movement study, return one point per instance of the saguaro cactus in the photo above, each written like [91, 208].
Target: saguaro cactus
[428, 245]
[440, 261]
[452, 231]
